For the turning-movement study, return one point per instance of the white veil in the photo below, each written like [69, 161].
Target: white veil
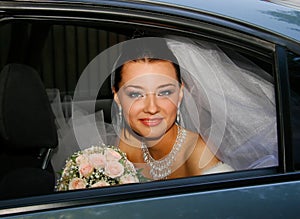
[77, 129]
[228, 100]
[235, 101]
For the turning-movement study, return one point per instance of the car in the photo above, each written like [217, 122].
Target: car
[290, 3]
[46, 46]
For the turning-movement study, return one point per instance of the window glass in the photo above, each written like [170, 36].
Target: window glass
[67, 51]
[209, 108]
[294, 74]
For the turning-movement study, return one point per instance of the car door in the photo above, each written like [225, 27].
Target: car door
[60, 39]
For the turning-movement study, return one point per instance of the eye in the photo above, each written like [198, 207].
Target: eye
[165, 93]
[135, 95]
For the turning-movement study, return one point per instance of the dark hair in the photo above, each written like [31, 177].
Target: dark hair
[144, 49]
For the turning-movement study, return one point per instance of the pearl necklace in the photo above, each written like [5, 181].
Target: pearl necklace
[160, 169]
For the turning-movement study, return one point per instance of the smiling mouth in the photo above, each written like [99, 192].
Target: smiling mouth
[151, 122]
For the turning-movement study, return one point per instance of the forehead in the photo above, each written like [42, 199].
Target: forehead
[145, 71]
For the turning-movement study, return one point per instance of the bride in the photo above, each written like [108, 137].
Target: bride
[181, 108]
[148, 90]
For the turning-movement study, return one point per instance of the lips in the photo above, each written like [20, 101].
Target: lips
[151, 122]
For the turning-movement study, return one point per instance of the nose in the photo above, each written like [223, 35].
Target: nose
[151, 105]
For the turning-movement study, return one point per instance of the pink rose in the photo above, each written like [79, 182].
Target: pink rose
[114, 169]
[86, 169]
[112, 155]
[77, 183]
[100, 184]
[97, 160]
[82, 159]
[128, 179]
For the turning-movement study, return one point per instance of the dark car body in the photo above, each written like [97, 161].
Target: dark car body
[266, 30]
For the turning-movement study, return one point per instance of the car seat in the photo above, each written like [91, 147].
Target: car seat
[27, 134]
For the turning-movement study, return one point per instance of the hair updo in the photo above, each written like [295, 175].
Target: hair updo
[149, 49]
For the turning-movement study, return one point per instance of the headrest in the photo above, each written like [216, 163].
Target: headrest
[26, 118]
[105, 91]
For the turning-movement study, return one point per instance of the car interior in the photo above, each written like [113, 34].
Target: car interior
[36, 58]
[28, 133]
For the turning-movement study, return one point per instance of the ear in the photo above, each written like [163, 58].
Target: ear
[116, 97]
[180, 93]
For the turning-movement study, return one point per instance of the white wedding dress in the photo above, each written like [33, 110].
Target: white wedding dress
[228, 100]
[219, 168]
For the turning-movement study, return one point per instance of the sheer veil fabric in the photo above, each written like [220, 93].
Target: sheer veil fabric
[235, 100]
[228, 100]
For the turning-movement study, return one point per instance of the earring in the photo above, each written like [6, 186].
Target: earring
[178, 117]
[120, 114]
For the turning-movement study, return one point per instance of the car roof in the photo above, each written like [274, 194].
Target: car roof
[289, 3]
[263, 14]
[276, 18]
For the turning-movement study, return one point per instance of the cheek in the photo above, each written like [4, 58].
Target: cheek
[170, 108]
[125, 102]
[131, 109]
[170, 103]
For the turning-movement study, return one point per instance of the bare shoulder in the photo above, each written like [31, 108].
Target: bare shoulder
[134, 154]
[195, 142]
[201, 156]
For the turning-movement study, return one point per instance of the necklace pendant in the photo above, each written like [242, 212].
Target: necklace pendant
[161, 169]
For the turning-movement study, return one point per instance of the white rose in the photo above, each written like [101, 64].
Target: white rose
[112, 155]
[97, 160]
[100, 184]
[114, 169]
[81, 159]
[77, 183]
[128, 179]
[86, 169]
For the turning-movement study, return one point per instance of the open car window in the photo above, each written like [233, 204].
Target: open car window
[63, 54]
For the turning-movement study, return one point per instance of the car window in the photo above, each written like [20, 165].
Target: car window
[63, 54]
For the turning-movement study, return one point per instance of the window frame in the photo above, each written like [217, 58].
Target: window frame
[228, 33]
[295, 160]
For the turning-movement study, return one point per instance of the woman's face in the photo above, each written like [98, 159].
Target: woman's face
[149, 95]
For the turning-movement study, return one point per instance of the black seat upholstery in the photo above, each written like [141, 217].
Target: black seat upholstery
[27, 134]
[105, 99]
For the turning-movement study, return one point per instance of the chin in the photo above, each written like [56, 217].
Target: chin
[147, 133]
[153, 137]
[154, 133]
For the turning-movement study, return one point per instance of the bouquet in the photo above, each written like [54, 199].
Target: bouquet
[97, 166]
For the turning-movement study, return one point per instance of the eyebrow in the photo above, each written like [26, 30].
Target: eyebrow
[140, 87]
